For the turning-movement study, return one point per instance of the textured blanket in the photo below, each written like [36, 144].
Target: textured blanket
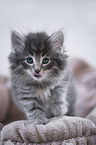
[59, 131]
[62, 130]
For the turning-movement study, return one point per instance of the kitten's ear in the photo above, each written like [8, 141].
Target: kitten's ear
[57, 40]
[18, 41]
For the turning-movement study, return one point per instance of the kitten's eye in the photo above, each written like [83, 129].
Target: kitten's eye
[45, 61]
[29, 60]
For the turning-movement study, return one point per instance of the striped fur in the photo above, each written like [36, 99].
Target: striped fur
[45, 97]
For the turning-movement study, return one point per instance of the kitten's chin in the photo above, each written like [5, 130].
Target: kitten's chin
[38, 78]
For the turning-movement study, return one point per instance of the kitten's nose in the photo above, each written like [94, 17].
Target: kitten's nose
[37, 70]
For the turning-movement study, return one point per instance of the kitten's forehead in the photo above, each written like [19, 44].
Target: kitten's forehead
[37, 42]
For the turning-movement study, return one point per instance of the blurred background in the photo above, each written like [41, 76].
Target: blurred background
[77, 17]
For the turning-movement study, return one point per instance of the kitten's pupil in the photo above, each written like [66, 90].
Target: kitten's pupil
[45, 61]
[29, 60]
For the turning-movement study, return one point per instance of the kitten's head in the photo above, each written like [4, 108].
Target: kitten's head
[37, 58]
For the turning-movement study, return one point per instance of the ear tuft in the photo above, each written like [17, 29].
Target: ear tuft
[17, 40]
[57, 40]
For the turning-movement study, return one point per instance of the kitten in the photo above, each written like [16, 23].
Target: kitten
[41, 83]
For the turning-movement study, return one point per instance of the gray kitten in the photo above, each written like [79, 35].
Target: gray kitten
[41, 83]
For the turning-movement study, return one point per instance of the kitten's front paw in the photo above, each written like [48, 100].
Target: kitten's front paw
[58, 110]
[39, 121]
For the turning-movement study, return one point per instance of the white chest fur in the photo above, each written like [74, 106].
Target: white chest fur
[43, 94]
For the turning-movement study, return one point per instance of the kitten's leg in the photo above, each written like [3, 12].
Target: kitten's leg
[58, 105]
[58, 109]
[35, 112]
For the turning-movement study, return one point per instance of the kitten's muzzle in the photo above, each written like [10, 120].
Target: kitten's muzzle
[37, 73]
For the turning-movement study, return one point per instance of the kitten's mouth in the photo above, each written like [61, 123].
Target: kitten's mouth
[37, 75]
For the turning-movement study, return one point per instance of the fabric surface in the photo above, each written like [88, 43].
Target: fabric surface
[85, 78]
[59, 131]
[64, 129]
